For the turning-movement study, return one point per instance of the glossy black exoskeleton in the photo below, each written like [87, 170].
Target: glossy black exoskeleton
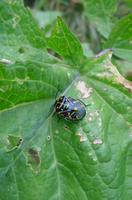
[70, 108]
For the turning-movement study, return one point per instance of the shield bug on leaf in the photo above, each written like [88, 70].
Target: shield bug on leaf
[70, 108]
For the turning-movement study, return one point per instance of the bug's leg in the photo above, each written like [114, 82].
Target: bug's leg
[65, 111]
[63, 102]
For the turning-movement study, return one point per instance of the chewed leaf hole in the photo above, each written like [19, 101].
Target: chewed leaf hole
[33, 159]
[13, 142]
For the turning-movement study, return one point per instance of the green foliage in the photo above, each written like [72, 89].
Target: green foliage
[47, 158]
[120, 39]
[100, 12]
[59, 42]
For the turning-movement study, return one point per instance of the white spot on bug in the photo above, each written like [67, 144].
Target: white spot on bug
[6, 61]
[85, 91]
[97, 141]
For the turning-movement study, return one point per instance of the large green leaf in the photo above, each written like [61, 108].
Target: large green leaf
[100, 13]
[120, 39]
[47, 158]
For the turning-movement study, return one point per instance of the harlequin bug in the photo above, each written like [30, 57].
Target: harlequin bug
[69, 108]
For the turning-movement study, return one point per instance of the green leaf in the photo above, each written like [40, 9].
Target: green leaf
[63, 42]
[58, 159]
[120, 39]
[20, 41]
[100, 13]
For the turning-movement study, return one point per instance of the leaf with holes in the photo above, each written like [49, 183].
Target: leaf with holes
[46, 157]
